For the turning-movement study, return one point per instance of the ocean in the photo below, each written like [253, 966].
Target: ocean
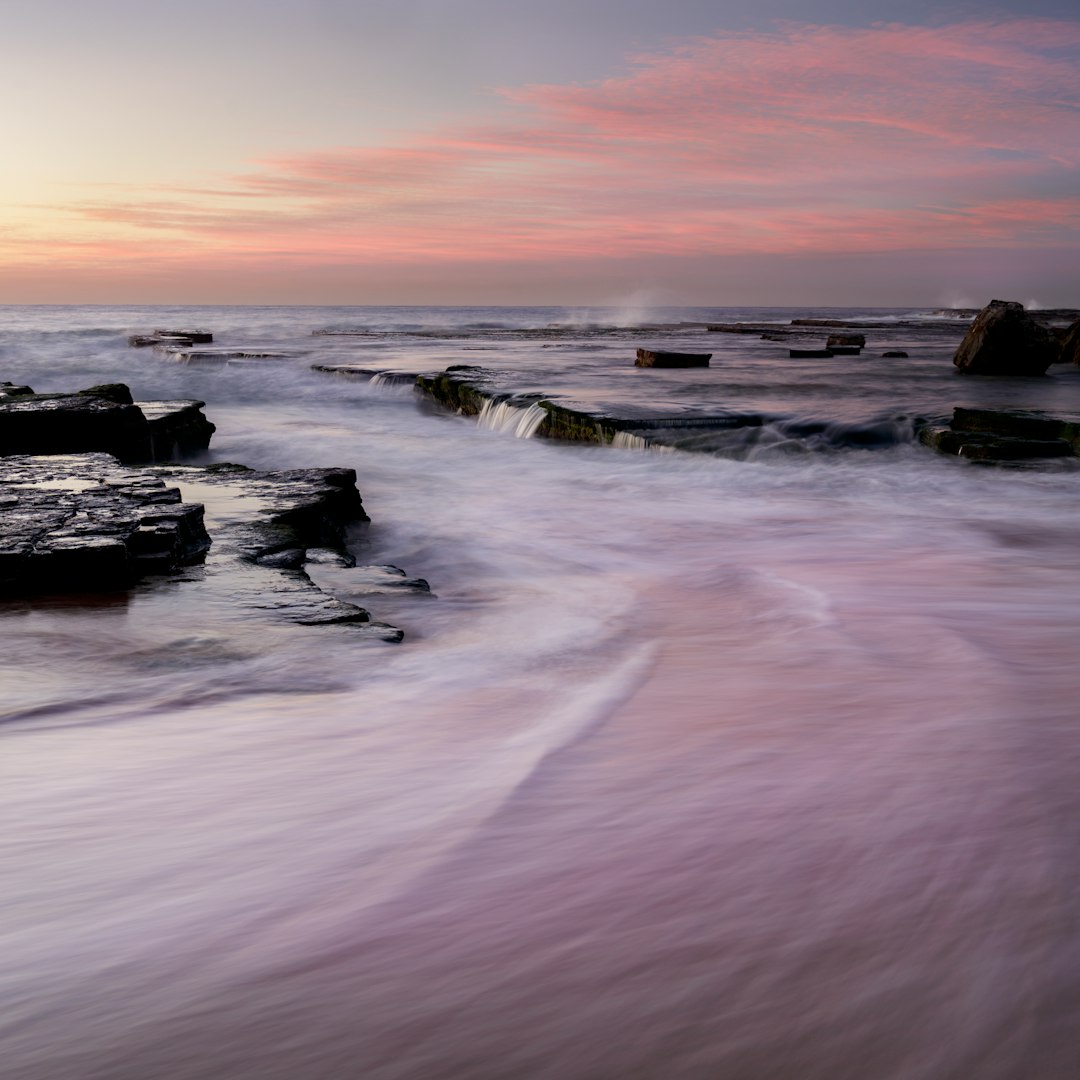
[747, 763]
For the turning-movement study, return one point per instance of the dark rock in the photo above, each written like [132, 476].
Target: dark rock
[895, 354]
[1025, 424]
[177, 428]
[733, 328]
[1070, 344]
[11, 390]
[186, 355]
[102, 419]
[117, 391]
[657, 359]
[84, 523]
[1005, 340]
[810, 353]
[192, 337]
[989, 435]
[846, 340]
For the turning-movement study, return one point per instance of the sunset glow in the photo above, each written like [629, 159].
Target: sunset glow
[800, 142]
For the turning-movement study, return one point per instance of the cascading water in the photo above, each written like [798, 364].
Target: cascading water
[514, 420]
[626, 440]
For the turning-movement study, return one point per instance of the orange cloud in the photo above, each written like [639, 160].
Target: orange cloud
[806, 139]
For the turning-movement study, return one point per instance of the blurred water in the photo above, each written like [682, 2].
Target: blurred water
[693, 767]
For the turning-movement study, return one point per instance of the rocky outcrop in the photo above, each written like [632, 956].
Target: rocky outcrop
[101, 419]
[85, 523]
[1005, 340]
[895, 354]
[654, 358]
[992, 436]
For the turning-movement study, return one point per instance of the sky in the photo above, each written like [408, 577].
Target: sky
[778, 152]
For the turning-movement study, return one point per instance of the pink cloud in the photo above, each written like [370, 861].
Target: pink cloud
[807, 139]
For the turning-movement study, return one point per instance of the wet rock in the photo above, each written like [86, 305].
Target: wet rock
[102, 419]
[220, 357]
[84, 523]
[895, 354]
[370, 580]
[1070, 344]
[11, 390]
[989, 435]
[177, 428]
[118, 392]
[195, 337]
[846, 341]
[1005, 340]
[734, 328]
[171, 338]
[654, 358]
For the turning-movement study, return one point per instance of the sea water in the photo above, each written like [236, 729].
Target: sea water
[750, 764]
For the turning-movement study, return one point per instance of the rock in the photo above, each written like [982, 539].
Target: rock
[195, 337]
[895, 354]
[1070, 344]
[11, 390]
[177, 428]
[171, 338]
[101, 419]
[733, 328]
[657, 359]
[118, 392]
[1005, 340]
[846, 341]
[84, 523]
[992, 436]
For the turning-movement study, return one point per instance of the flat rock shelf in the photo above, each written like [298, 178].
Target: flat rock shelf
[86, 523]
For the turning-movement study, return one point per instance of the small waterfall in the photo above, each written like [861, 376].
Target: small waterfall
[626, 440]
[513, 419]
[393, 379]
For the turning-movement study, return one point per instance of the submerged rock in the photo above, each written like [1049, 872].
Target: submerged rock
[846, 341]
[1005, 340]
[895, 354]
[658, 359]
